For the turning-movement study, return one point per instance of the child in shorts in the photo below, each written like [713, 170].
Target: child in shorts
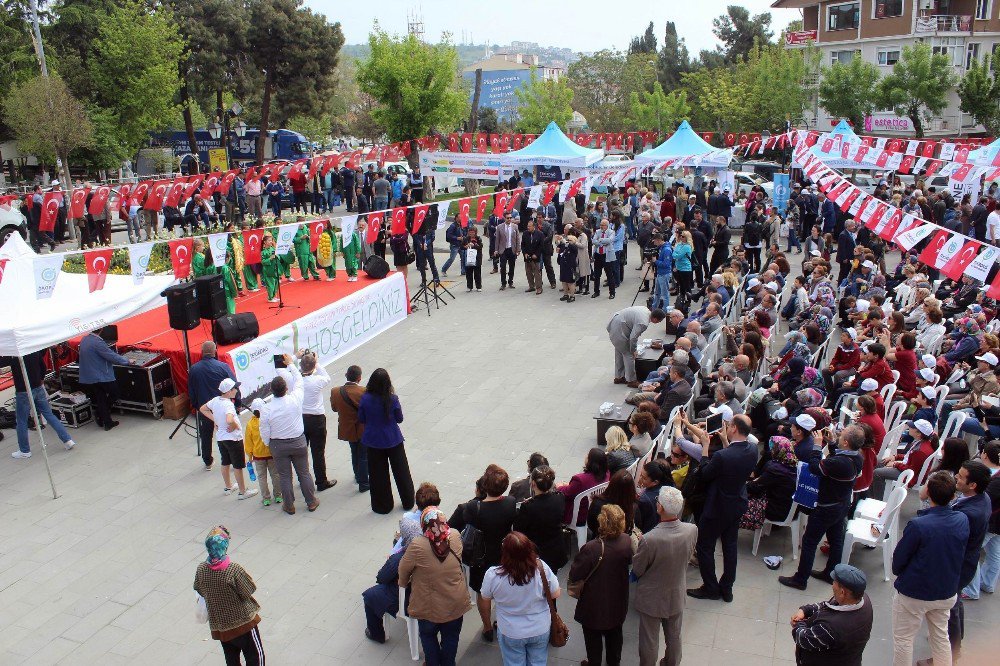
[221, 410]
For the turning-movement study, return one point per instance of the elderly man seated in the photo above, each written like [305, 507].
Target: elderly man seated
[724, 394]
[660, 377]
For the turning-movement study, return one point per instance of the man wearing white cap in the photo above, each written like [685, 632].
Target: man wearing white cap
[920, 443]
[221, 410]
[981, 381]
[802, 430]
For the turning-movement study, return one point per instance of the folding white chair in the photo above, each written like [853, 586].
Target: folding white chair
[929, 464]
[942, 395]
[859, 530]
[934, 346]
[894, 414]
[412, 630]
[792, 520]
[581, 530]
[953, 428]
[902, 482]
[891, 441]
[637, 466]
[888, 391]
[902, 294]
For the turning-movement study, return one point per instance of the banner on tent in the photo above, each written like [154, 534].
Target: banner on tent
[331, 332]
[479, 166]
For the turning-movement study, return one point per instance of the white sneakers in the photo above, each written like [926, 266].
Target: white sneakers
[226, 491]
[20, 454]
[247, 494]
[69, 445]
[352, 278]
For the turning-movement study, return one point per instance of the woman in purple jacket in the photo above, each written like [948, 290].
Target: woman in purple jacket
[595, 471]
[380, 412]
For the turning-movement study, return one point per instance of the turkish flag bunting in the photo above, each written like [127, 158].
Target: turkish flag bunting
[906, 164]
[851, 196]
[192, 185]
[139, 192]
[932, 167]
[859, 156]
[882, 158]
[98, 262]
[463, 212]
[934, 248]
[375, 221]
[419, 215]
[156, 194]
[876, 215]
[495, 143]
[316, 228]
[295, 172]
[481, 207]
[575, 188]
[212, 182]
[501, 204]
[962, 172]
[730, 139]
[466, 142]
[894, 146]
[550, 191]
[838, 190]
[181, 250]
[314, 165]
[50, 211]
[744, 139]
[518, 141]
[77, 201]
[173, 196]
[505, 142]
[956, 266]
[225, 183]
[629, 142]
[707, 136]
[398, 221]
[453, 142]
[99, 200]
[253, 239]
[826, 147]
[888, 232]
[927, 149]
[481, 141]
[962, 154]
[514, 196]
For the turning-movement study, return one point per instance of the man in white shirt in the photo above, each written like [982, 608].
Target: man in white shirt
[282, 430]
[314, 383]
[993, 227]
[221, 410]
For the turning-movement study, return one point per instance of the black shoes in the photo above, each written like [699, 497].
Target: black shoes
[789, 581]
[368, 635]
[702, 593]
[325, 485]
[109, 426]
[820, 574]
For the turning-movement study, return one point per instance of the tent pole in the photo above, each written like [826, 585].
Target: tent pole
[38, 425]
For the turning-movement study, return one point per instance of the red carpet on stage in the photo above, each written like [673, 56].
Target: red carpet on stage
[151, 330]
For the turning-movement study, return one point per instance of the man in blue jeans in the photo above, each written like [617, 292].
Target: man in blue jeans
[664, 268]
[35, 365]
[455, 235]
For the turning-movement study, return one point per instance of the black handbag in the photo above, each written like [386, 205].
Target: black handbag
[473, 544]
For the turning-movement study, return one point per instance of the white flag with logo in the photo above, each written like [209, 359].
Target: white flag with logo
[138, 257]
[286, 235]
[911, 237]
[348, 224]
[217, 244]
[535, 196]
[950, 249]
[981, 265]
[947, 151]
[564, 189]
[47, 269]
[442, 216]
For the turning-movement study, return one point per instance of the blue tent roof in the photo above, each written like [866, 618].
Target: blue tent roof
[553, 148]
[685, 142]
[986, 155]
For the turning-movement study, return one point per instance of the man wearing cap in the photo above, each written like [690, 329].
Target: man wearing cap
[802, 429]
[624, 330]
[835, 632]
[221, 411]
[204, 378]
[927, 563]
[836, 473]
[846, 243]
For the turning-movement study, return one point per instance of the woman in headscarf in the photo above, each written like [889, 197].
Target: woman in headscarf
[967, 337]
[791, 379]
[439, 597]
[228, 591]
[771, 491]
[383, 596]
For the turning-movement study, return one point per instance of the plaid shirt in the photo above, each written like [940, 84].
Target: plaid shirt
[229, 596]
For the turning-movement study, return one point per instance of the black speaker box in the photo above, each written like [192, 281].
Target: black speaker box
[211, 295]
[376, 267]
[182, 306]
[230, 329]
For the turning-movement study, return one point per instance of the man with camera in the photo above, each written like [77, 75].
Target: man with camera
[314, 383]
[664, 260]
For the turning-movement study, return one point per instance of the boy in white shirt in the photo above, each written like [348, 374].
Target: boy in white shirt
[229, 435]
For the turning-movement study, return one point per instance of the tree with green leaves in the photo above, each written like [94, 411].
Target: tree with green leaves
[658, 110]
[17, 56]
[317, 130]
[415, 86]
[603, 83]
[673, 60]
[69, 40]
[918, 86]
[646, 43]
[541, 101]
[979, 94]
[846, 90]
[134, 71]
[739, 31]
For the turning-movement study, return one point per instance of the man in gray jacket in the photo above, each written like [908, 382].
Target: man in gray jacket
[660, 564]
[624, 330]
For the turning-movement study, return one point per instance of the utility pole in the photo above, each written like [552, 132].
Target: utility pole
[36, 39]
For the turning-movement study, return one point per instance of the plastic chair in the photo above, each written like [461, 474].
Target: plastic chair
[942, 394]
[894, 414]
[928, 466]
[859, 530]
[888, 391]
[953, 427]
[792, 520]
[412, 630]
[637, 466]
[934, 347]
[891, 441]
[902, 294]
[581, 530]
[903, 481]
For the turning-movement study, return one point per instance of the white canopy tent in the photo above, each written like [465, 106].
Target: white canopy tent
[29, 325]
[553, 148]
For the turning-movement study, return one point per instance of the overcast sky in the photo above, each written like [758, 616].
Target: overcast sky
[581, 25]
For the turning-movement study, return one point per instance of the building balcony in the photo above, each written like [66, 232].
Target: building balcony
[943, 24]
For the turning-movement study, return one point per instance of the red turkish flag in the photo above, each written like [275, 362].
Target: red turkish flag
[98, 262]
[156, 194]
[463, 212]
[962, 172]
[375, 221]
[883, 157]
[876, 215]
[398, 221]
[994, 290]
[854, 194]
[575, 188]
[77, 201]
[226, 183]
[253, 239]
[181, 250]
[500, 205]
[932, 168]
[550, 191]
[139, 192]
[174, 192]
[514, 196]
[927, 150]
[906, 164]
[956, 266]
[518, 141]
[859, 156]
[505, 142]
[99, 200]
[192, 185]
[314, 165]
[894, 146]
[296, 171]
[962, 154]
[3, 267]
[730, 139]
[466, 142]
[419, 215]
[495, 143]
[453, 142]
[840, 188]
[481, 207]
[332, 161]
[251, 175]
[316, 228]
[934, 248]
[481, 142]
[529, 139]
[889, 230]
[50, 211]
[123, 196]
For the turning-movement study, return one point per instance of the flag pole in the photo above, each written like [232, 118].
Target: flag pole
[38, 425]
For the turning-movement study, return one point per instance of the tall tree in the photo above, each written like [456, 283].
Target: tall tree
[846, 90]
[603, 82]
[541, 101]
[673, 59]
[70, 37]
[65, 127]
[657, 110]
[134, 70]
[979, 94]
[646, 43]
[295, 53]
[415, 86]
[17, 57]
[918, 86]
[738, 31]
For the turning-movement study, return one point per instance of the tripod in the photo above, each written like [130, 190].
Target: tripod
[280, 305]
[643, 280]
[183, 422]
[429, 291]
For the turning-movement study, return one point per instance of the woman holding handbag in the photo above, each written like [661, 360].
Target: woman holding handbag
[599, 580]
[472, 259]
[523, 589]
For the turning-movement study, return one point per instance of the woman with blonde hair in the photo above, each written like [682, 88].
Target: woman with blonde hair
[729, 279]
[619, 452]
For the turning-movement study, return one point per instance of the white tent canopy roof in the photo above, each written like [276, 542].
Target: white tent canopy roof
[553, 148]
[28, 324]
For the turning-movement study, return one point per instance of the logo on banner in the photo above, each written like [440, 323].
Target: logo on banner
[241, 360]
[217, 244]
[47, 269]
[981, 265]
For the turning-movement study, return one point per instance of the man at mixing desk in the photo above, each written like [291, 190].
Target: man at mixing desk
[97, 375]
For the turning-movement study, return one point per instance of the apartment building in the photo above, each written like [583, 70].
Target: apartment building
[877, 31]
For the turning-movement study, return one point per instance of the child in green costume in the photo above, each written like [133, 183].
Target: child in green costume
[326, 251]
[307, 262]
[270, 268]
[200, 263]
[230, 283]
[285, 261]
[352, 256]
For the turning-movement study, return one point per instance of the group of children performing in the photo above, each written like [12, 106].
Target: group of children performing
[272, 267]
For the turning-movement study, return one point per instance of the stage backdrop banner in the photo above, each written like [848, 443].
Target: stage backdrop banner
[331, 332]
[478, 166]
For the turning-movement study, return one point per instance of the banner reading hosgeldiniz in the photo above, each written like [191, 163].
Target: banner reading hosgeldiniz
[331, 332]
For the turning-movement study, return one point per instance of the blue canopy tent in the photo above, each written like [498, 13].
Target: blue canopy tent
[685, 143]
[988, 155]
[553, 148]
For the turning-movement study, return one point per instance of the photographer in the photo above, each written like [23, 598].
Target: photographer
[664, 267]
[314, 383]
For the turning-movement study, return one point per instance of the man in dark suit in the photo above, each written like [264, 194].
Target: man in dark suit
[846, 243]
[725, 473]
[720, 242]
[674, 393]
